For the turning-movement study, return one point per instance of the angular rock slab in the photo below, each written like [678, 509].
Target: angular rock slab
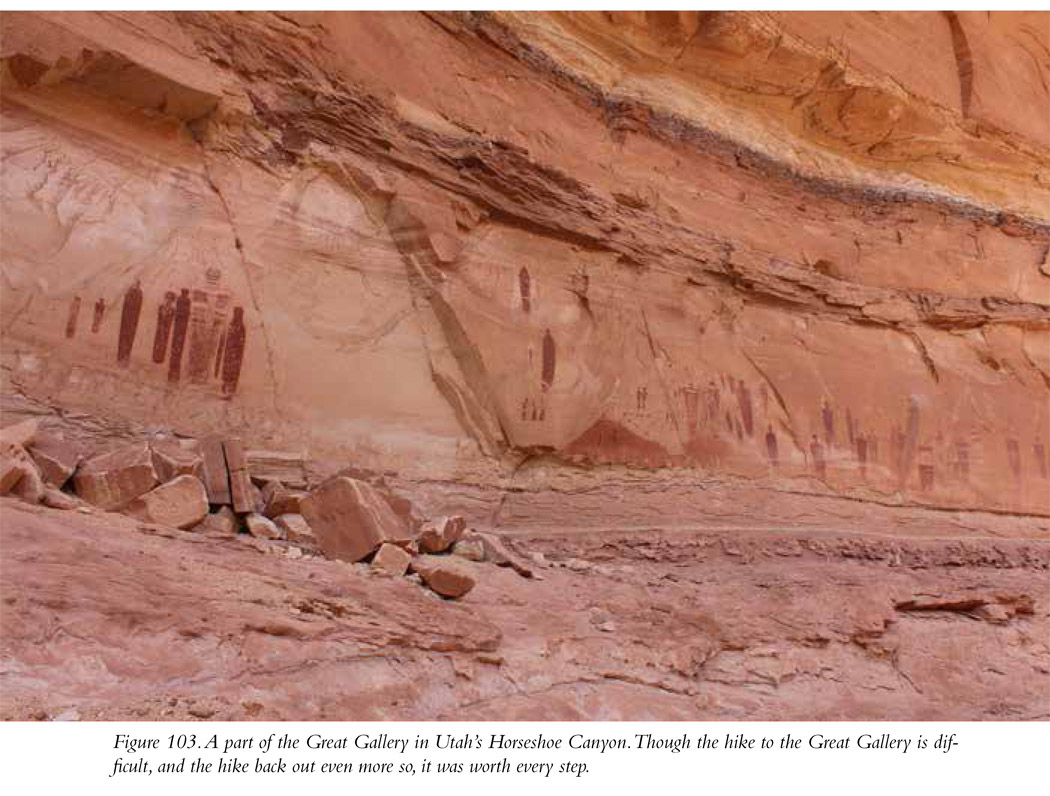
[20, 475]
[447, 576]
[213, 473]
[391, 560]
[350, 519]
[470, 548]
[243, 494]
[57, 499]
[222, 523]
[11, 472]
[288, 468]
[278, 500]
[439, 535]
[262, 528]
[111, 481]
[180, 503]
[172, 458]
[56, 457]
[295, 528]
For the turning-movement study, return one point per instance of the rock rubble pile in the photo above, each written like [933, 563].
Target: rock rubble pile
[215, 487]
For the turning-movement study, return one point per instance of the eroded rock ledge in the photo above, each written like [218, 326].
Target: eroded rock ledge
[566, 254]
[720, 626]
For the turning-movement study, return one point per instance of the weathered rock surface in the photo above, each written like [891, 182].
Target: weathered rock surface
[56, 457]
[261, 527]
[470, 548]
[444, 574]
[294, 528]
[277, 500]
[180, 503]
[57, 499]
[30, 485]
[112, 480]
[21, 434]
[350, 519]
[715, 625]
[288, 468]
[659, 293]
[243, 494]
[15, 465]
[214, 474]
[10, 474]
[391, 560]
[172, 458]
[801, 252]
[220, 523]
[439, 535]
[500, 555]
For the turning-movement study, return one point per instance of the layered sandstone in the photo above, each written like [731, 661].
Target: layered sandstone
[808, 251]
[711, 626]
[738, 309]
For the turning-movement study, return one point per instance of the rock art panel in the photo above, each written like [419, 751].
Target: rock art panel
[661, 302]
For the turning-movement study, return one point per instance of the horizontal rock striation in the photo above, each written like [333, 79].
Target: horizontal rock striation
[641, 254]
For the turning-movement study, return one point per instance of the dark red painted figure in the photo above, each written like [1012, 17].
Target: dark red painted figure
[71, 322]
[100, 313]
[525, 285]
[233, 356]
[129, 323]
[549, 360]
[178, 336]
[165, 318]
[771, 446]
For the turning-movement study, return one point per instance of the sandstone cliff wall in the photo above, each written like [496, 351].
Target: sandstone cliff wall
[616, 258]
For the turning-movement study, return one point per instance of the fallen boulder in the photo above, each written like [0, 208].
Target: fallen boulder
[295, 528]
[243, 494]
[213, 471]
[350, 519]
[11, 472]
[180, 503]
[30, 485]
[20, 476]
[401, 506]
[277, 500]
[439, 535]
[470, 548]
[391, 560]
[172, 458]
[57, 499]
[56, 457]
[261, 527]
[222, 523]
[444, 575]
[111, 481]
[288, 468]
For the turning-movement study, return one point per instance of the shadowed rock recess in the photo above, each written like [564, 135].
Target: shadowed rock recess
[539, 365]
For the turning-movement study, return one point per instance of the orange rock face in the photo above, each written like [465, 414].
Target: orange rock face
[596, 271]
[771, 247]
